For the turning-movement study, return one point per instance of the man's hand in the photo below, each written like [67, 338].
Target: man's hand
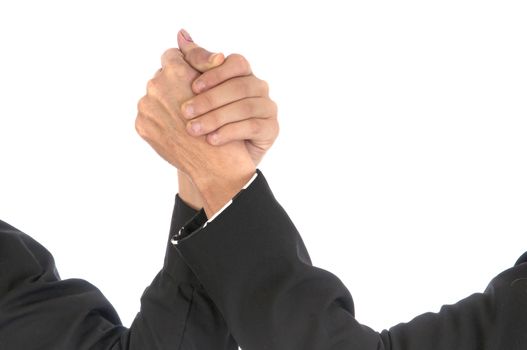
[250, 117]
[232, 104]
[218, 172]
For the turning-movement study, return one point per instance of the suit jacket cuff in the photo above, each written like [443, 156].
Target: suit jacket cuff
[235, 256]
[173, 263]
[200, 220]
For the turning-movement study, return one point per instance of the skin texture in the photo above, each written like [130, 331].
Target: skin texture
[232, 104]
[252, 119]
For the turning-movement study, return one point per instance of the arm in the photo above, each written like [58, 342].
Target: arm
[188, 192]
[205, 327]
[255, 267]
[38, 310]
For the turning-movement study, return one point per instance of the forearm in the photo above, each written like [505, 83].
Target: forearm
[73, 314]
[254, 265]
[176, 305]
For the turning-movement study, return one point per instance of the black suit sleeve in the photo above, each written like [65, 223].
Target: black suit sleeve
[255, 267]
[38, 310]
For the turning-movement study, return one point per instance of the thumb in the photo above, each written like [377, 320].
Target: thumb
[199, 58]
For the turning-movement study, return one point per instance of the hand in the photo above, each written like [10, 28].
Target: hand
[232, 104]
[218, 172]
[251, 119]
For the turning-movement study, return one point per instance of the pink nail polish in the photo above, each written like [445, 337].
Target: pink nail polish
[186, 36]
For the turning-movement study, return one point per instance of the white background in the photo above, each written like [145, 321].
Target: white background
[401, 157]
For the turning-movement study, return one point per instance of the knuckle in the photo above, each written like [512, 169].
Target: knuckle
[146, 110]
[168, 52]
[264, 86]
[142, 105]
[274, 108]
[241, 62]
[158, 73]
[171, 55]
[177, 69]
[140, 126]
[152, 87]
[172, 62]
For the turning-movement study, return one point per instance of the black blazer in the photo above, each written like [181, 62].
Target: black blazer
[40, 311]
[251, 277]
[253, 264]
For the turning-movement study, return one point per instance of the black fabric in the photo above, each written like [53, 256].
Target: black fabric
[253, 264]
[40, 311]
[192, 224]
[522, 259]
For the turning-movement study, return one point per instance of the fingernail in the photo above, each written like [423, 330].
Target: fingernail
[188, 110]
[199, 85]
[186, 36]
[195, 127]
[214, 138]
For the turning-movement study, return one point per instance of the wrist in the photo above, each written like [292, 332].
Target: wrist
[188, 192]
[218, 188]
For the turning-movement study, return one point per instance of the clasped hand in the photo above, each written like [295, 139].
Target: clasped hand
[210, 117]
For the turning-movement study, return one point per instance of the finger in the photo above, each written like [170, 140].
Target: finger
[257, 131]
[158, 73]
[171, 57]
[199, 58]
[253, 107]
[173, 64]
[228, 92]
[235, 65]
